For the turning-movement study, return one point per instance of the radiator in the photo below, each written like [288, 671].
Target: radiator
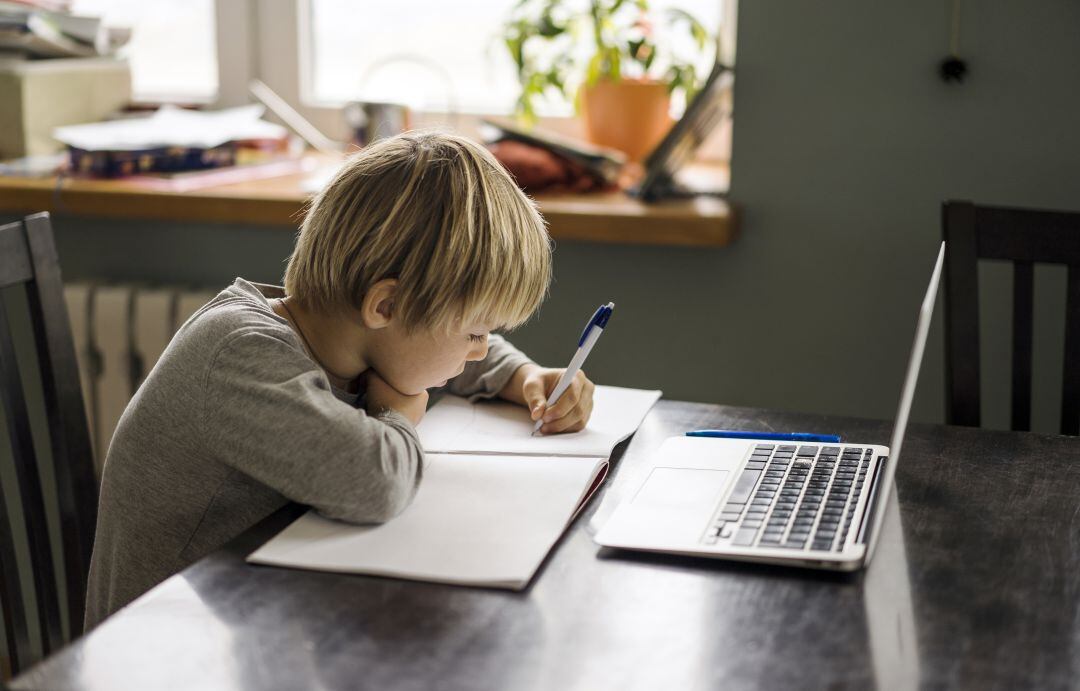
[120, 331]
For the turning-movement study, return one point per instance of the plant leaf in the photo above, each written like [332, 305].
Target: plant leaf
[592, 71]
[614, 64]
[515, 46]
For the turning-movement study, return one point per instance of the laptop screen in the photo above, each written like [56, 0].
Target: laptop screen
[907, 393]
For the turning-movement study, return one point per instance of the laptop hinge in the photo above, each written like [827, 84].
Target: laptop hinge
[871, 501]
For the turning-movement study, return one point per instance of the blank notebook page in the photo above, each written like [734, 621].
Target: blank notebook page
[447, 534]
[457, 426]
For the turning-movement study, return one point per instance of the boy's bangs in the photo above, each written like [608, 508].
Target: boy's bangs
[508, 303]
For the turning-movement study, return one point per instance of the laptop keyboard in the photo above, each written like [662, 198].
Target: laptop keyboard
[794, 497]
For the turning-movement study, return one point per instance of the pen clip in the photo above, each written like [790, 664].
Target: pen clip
[599, 319]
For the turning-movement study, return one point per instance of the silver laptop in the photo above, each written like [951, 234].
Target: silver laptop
[802, 504]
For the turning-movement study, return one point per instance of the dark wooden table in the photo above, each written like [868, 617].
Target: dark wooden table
[976, 584]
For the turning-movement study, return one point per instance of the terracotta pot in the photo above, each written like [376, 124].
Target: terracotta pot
[628, 115]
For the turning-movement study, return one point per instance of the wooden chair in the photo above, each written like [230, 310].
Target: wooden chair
[28, 258]
[1024, 237]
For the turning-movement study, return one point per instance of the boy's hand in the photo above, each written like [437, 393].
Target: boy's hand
[531, 386]
[381, 396]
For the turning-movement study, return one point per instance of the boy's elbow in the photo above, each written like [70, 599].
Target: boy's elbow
[382, 498]
[392, 498]
[399, 481]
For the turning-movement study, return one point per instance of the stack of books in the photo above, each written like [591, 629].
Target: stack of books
[178, 149]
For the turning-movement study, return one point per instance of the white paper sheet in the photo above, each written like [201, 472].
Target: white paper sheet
[454, 425]
[171, 126]
[476, 520]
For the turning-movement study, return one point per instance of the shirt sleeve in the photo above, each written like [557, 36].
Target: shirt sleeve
[486, 378]
[269, 412]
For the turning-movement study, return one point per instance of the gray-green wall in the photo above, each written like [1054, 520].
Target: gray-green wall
[846, 142]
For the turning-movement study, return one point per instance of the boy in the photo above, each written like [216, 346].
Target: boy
[420, 246]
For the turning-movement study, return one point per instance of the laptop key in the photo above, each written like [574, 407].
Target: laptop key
[744, 486]
[745, 537]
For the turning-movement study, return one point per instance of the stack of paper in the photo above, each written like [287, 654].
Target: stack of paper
[170, 126]
[492, 502]
[47, 29]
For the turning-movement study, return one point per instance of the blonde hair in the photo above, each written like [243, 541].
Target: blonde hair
[438, 213]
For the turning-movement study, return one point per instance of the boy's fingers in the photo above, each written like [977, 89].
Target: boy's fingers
[567, 402]
[533, 393]
[570, 423]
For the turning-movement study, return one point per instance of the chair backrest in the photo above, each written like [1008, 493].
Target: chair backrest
[28, 257]
[1024, 237]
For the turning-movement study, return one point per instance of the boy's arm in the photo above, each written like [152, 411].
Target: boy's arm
[488, 377]
[269, 413]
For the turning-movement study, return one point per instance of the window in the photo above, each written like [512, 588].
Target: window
[435, 55]
[173, 47]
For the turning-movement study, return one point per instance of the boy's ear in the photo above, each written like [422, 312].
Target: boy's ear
[377, 309]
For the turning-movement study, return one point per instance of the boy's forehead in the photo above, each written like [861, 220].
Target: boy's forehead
[479, 325]
[470, 325]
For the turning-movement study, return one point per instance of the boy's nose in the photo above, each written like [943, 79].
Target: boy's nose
[479, 352]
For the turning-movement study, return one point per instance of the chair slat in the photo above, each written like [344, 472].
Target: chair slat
[1070, 395]
[28, 481]
[76, 482]
[15, 265]
[1023, 309]
[961, 315]
[16, 629]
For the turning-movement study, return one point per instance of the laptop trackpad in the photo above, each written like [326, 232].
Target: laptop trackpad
[680, 489]
[676, 502]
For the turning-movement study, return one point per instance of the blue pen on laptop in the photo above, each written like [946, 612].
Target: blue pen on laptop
[588, 339]
[767, 436]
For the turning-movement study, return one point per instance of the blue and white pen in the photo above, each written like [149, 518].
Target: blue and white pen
[766, 436]
[588, 339]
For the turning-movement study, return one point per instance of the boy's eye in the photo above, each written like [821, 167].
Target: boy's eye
[475, 338]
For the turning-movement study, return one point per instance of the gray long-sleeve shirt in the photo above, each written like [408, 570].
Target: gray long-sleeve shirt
[233, 422]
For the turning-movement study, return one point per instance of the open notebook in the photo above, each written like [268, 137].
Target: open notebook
[492, 502]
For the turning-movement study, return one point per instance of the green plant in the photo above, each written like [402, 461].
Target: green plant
[557, 45]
